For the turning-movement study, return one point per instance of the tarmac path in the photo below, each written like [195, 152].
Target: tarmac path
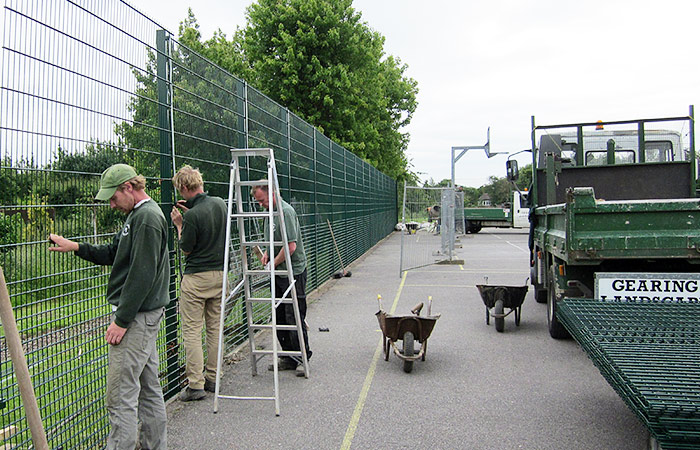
[477, 388]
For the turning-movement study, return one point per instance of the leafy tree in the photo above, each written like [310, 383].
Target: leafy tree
[16, 179]
[524, 180]
[8, 180]
[204, 115]
[321, 61]
[471, 196]
[93, 160]
[498, 189]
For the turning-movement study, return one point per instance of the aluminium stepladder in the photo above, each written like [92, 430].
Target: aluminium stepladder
[244, 217]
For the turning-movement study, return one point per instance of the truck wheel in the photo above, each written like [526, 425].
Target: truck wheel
[475, 227]
[556, 329]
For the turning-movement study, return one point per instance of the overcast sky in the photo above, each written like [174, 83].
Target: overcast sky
[495, 63]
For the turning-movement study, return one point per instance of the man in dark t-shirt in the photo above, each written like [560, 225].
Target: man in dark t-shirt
[288, 339]
[202, 236]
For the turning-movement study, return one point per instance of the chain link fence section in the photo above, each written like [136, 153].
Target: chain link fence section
[459, 213]
[85, 84]
[422, 233]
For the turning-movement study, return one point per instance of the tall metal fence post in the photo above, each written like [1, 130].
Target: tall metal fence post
[173, 369]
[317, 219]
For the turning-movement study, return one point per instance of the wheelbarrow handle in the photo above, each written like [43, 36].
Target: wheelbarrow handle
[417, 309]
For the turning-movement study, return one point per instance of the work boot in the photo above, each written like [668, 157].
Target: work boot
[284, 364]
[190, 394]
[210, 385]
[300, 371]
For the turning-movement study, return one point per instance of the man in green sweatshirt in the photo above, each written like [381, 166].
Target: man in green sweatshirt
[202, 236]
[137, 290]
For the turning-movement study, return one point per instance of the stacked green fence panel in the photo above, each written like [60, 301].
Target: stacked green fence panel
[650, 354]
[86, 84]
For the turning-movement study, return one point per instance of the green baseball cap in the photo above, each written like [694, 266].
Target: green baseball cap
[112, 178]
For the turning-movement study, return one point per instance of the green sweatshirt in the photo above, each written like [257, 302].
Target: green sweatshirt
[291, 224]
[140, 264]
[203, 236]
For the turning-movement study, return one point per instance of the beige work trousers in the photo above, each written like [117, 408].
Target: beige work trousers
[200, 305]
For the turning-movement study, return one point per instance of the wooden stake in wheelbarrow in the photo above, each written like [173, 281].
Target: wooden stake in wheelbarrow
[14, 344]
[343, 273]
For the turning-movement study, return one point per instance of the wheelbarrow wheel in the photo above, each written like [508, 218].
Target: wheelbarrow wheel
[408, 350]
[498, 311]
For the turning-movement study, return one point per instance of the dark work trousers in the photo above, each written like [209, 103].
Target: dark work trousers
[289, 339]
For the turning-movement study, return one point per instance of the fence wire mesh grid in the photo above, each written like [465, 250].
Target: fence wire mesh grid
[648, 352]
[422, 235]
[86, 84]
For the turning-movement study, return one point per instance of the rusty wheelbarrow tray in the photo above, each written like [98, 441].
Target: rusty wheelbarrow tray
[409, 329]
[499, 298]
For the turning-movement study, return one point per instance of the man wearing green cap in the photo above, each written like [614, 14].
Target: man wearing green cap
[138, 292]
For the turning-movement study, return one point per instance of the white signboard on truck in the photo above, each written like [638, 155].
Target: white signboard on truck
[650, 287]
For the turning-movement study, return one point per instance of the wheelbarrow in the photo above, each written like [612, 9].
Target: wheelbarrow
[498, 298]
[410, 329]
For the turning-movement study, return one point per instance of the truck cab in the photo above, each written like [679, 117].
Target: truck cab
[520, 209]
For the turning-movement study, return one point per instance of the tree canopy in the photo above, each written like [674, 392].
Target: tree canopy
[319, 59]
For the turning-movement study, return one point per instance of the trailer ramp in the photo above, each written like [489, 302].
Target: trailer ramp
[650, 355]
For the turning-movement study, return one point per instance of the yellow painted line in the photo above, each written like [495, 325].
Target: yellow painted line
[355, 419]
[461, 267]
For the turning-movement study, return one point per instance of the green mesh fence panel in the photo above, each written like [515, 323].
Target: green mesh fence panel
[650, 355]
[85, 84]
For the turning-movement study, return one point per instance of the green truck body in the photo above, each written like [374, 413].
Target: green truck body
[513, 216]
[486, 213]
[620, 208]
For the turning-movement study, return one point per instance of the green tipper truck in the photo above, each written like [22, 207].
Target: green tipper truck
[514, 215]
[612, 198]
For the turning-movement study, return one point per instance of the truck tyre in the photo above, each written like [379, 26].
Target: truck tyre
[471, 227]
[556, 329]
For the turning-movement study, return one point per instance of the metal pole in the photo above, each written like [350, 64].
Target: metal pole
[165, 126]
[403, 220]
[224, 283]
[691, 112]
